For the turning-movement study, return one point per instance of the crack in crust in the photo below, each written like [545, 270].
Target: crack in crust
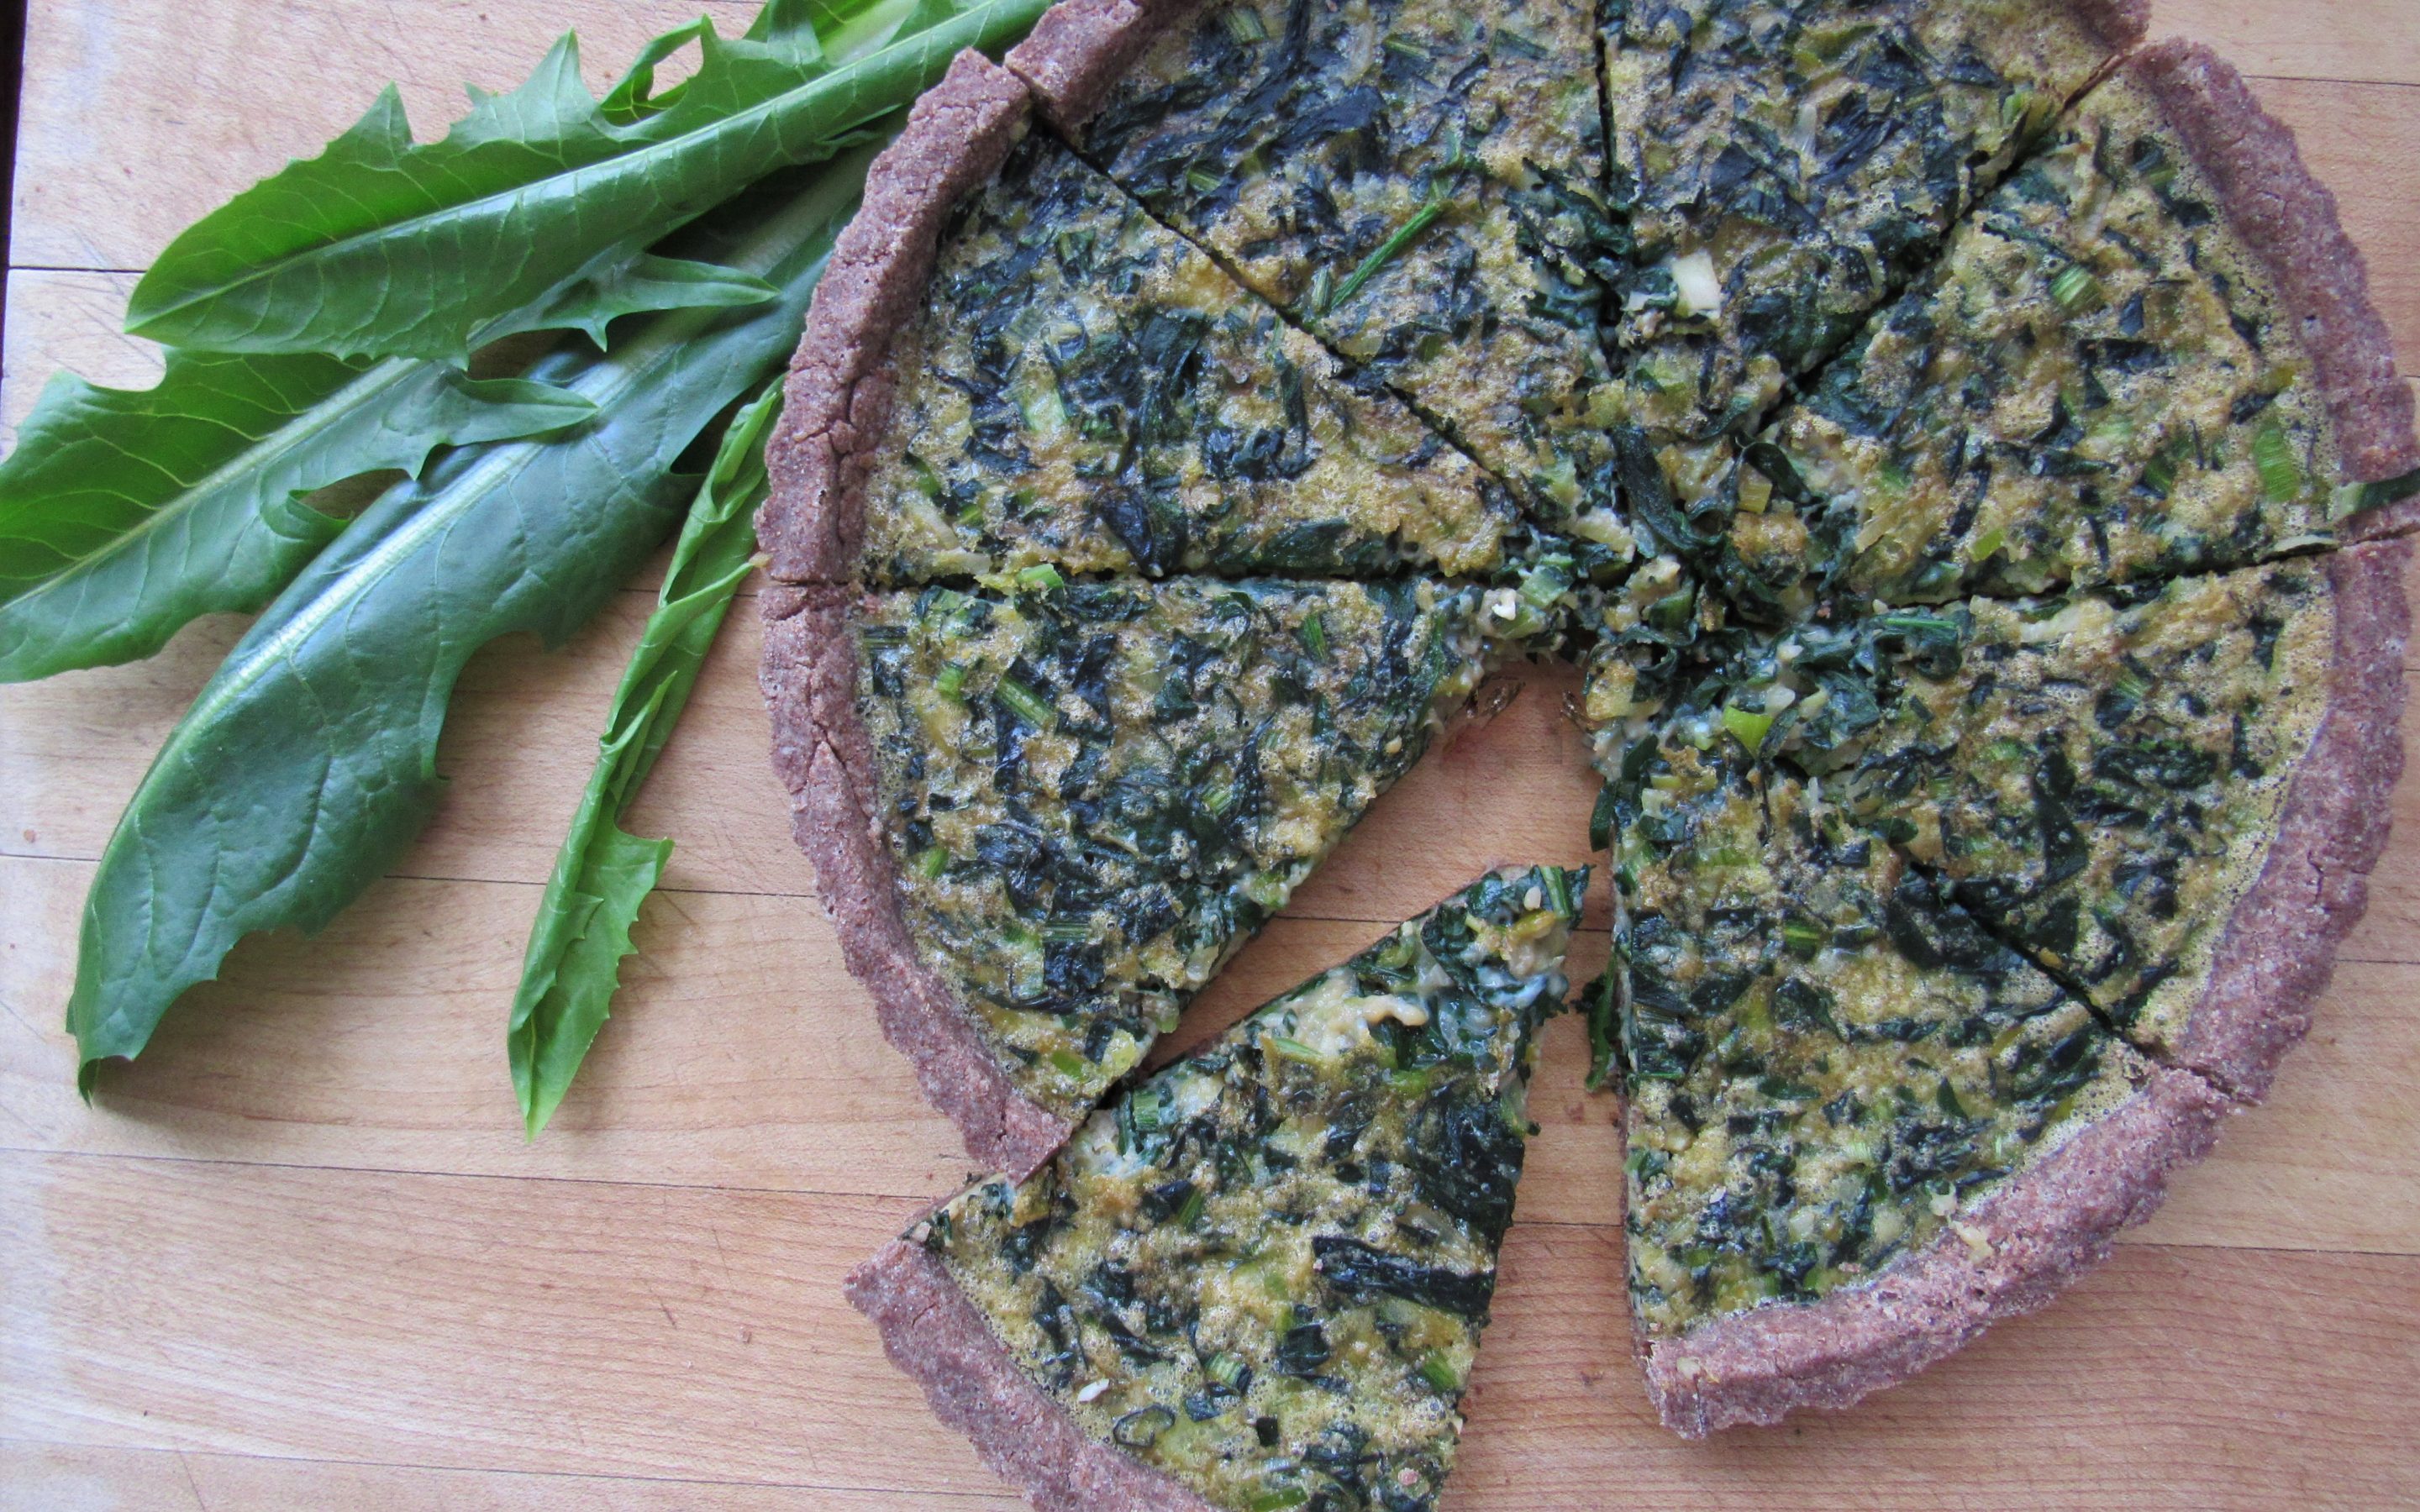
[2017, 1250]
[825, 759]
[1080, 50]
[933, 1334]
[2120, 24]
[2289, 219]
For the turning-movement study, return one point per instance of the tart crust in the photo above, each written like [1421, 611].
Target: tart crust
[2278, 948]
[812, 524]
[824, 758]
[838, 396]
[2116, 24]
[2288, 219]
[931, 1332]
[2016, 1251]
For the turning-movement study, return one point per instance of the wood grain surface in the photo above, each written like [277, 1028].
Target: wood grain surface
[300, 1256]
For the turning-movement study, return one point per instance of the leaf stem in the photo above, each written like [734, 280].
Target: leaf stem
[1421, 220]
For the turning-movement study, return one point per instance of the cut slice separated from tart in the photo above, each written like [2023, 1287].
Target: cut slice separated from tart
[1257, 1278]
[1783, 168]
[1046, 815]
[2102, 380]
[1860, 1128]
[1418, 183]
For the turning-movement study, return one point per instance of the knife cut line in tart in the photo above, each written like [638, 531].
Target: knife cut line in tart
[1416, 183]
[1846, 1101]
[1087, 391]
[2115, 372]
[1782, 169]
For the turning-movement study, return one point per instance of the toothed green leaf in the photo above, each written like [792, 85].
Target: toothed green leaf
[124, 514]
[308, 762]
[382, 247]
[643, 283]
[603, 875]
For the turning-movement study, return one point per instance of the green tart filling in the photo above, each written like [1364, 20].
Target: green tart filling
[1263, 1270]
[1085, 390]
[1418, 183]
[1097, 791]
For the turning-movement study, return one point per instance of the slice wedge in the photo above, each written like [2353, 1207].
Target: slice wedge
[1861, 1129]
[1257, 1278]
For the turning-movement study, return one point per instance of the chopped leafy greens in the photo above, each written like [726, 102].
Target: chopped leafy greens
[604, 874]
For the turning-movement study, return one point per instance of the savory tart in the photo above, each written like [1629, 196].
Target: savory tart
[1417, 182]
[1960, 452]
[1090, 794]
[1257, 1278]
[1837, 1080]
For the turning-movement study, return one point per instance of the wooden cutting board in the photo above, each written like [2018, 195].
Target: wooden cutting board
[299, 1254]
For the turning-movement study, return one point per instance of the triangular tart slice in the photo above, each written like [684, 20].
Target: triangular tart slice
[1257, 1278]
[1860, 1128]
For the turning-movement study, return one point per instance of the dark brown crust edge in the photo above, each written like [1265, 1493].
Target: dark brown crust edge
[838, 396]
[933, 1334]
[1080, 50]
[2278, 948]
[2042, 1230]
[2116, 24]
[826, 760]
[2289, 219]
